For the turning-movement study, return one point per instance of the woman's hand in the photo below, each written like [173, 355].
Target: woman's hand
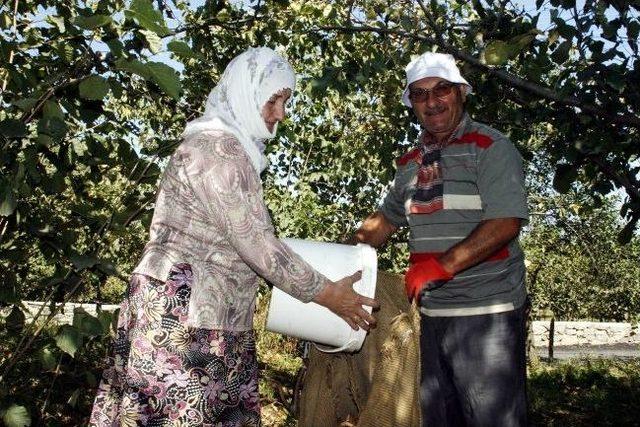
[340, 298]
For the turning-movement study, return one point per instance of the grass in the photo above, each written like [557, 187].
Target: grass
[577, 392]
[585, 392]
[279, 360]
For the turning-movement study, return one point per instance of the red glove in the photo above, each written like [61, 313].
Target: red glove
[429, 274]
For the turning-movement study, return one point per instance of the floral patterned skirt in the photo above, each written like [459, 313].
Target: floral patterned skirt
[163, 373]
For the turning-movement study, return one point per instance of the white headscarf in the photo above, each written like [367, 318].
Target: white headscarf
[235, 104]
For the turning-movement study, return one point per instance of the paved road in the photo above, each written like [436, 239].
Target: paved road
[623, 351]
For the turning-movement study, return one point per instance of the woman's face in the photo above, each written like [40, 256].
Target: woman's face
[274, 109]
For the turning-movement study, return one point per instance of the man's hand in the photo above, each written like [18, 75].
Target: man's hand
[374, 231]
[340, 298]
[427, 275]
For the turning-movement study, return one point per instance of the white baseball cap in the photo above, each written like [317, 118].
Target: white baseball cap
[431, 64]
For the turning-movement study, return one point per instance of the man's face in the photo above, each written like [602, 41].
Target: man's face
[439, 115]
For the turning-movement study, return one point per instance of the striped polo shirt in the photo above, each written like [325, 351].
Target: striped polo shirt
[480, 177]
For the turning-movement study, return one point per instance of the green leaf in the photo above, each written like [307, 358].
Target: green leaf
[58, 21]
[12, 128]
[45, 140]
[52, 109]
[91, 379]
[561, 54]
[107, 268]
[115, 46]
[25, 104]
[94, 88]
[79, 147]
[69, 339]
[52, 126]
[16, 416]
[523, 41]
[616, 81]
[553, 36]
[15, 320]
[73, 399]
[135, 67]
[153, 40]
[143, 12]
[82, 262]
[116, 88]
[107, 319]
[610, 30]
[48, 359]
[165, 77]
[498, 52]
[7, 200]
[92, 22]
[328, 10]
[8, 295]
[406, 23]
[86, 323]
[55, 183]
[90, 111]
[633, 30]
[565, 176]
[626, 234]
[66, 52]
[183, 50]
[5, 20]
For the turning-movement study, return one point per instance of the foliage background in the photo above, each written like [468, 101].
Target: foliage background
[95, 95]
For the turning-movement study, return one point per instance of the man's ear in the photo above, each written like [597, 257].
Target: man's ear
[463, 93]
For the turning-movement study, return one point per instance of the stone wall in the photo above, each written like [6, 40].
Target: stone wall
[584, 333]
[66, 315]
[564, 333]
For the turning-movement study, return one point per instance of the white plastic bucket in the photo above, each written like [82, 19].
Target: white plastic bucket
[311, 321]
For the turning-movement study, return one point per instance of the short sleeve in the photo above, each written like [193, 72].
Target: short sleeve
[393, 204]
[501, 181]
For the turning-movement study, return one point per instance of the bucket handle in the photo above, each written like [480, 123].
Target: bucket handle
[327, 349]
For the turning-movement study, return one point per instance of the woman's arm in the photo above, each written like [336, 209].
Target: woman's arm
[232, 193]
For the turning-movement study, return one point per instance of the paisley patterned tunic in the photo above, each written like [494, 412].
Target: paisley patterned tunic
[210, 213]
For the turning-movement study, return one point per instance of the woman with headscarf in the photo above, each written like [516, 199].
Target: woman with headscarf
[185, 352]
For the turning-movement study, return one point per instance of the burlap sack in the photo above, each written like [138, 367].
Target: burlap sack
[377, 386]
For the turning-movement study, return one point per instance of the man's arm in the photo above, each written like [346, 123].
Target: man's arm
[374, 231]
[488, 237]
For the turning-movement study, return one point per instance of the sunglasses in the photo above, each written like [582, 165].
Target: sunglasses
[441, 90]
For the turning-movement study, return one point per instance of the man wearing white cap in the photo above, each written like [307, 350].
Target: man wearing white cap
[460, 191]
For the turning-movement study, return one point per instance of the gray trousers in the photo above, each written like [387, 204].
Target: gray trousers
[473, 370]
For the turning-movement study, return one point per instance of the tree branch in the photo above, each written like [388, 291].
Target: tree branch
[69, 78]
[510, 79]
[632, 188]
[432, 21]
[20, 348]
[230, 26]
[30, 114]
